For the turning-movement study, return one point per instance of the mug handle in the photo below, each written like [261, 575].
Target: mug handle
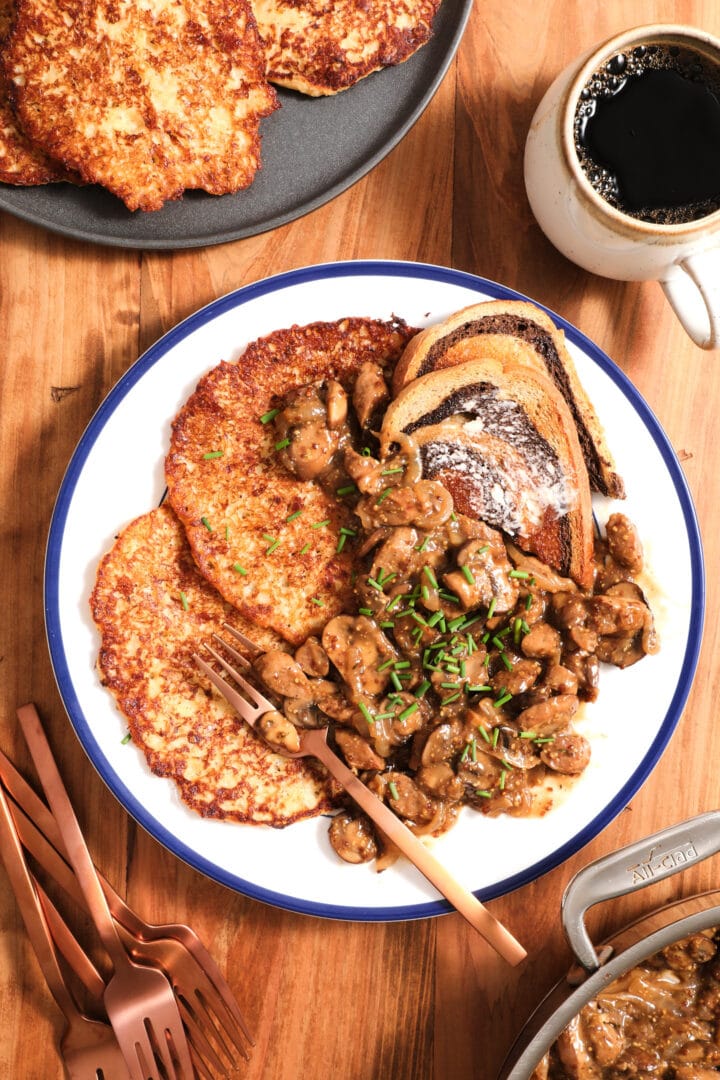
[632, 868]
[693, 289]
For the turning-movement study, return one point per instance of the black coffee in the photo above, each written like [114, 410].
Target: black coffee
[647, 133]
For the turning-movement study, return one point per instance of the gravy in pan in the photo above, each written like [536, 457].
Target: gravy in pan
[661, 1020]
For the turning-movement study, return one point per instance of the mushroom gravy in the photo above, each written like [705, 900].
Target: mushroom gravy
[457, 678]
[660, 1019]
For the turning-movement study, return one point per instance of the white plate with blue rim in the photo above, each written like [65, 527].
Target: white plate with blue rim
[116, 474]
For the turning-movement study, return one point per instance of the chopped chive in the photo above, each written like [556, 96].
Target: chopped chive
[409, 711]
[291, 517]
[366, 713]
[547, 739]
[503, 774]
[304, 550]
[451, 698]
[390, 472]
[268, 416]
[451, 597]
[483, 793]
[395, 681]
[212, 454]
[528, 601]
[395, 600]
[207, 524]
[400, 664]
[282, 444]
[467, 574]
[452, 667]
[480, 688]
[366, 451]
[506, 661]
[239, 569]
[502, 700]
[435, 618]
[365, 611]
[466, 751]
[390, 625]
[393, 790]
[495, 737]
[491, 608]
[320, 524]
[227, 532]
[125, 739]
[314, 600]
[341, 543]
[422, 689]
[456, 623]
[471, 646]
[519, 574]
[271, 547]
[382, 496]
[448, 685]
[184, 601]
[424, 544]
[528, 735]
[473, 746]
[484, 734]
[347, 490]
[375, 584]
[504, 633]
[384, 715]
[498, 642]
[348, 532]
[386, 664]
[427, 571]
[425, 592]
[419, 618]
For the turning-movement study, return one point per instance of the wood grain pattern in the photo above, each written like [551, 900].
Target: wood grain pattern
[418, 1001]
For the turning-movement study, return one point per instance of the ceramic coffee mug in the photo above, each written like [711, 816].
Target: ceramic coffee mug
[683, 255]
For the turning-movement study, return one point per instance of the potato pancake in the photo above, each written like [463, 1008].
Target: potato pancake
[266, 540]
[324, 46]
[153, 611]
[146, 98]
[21, 163]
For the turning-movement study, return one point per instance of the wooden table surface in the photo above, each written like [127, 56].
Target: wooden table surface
[424, 1000]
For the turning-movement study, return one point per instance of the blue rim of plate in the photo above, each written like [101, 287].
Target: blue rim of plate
[364, 268]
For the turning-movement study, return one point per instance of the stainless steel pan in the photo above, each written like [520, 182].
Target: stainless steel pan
[631, 868]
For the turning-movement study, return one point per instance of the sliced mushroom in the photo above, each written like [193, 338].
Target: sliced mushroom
[359, 649]
[277, 730]
[281, 674]
[370, 393]
[353, 838]
[567, 753]
[357, 751]
[549, 717]
[312, 658]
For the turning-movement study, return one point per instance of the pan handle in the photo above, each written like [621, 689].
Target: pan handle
[631, 868]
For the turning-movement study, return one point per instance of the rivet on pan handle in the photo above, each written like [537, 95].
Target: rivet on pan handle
[631, 868]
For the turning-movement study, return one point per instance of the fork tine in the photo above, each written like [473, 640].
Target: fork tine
[258, 702]
[255, 649]
[222, 1031]
[199, 1040]
[238, 656]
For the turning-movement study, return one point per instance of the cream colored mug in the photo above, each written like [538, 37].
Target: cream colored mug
[684, 257]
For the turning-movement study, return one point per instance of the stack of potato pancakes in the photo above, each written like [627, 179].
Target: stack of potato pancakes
[150, 98]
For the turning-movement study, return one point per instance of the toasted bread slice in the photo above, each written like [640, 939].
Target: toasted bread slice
[147, 99]
[516, 330]
[266, 540]
[153, 611]
[21, 163]
[318, 48]
[501, 439]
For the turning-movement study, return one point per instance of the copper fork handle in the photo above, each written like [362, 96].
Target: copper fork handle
[461, 898]
[31, 910]
[74, 841]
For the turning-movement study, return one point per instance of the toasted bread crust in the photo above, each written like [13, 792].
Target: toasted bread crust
[501, 439]
[489, 330]
[318, 48]
[153, 611]
[147, 99]
[246, 496]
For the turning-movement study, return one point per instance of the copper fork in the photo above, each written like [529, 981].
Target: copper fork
[200, 1007]
[138, 1000]
[88, 974]
[313, 743]
[87, 1046]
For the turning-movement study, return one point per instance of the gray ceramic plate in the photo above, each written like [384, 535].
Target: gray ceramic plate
[313, 148]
